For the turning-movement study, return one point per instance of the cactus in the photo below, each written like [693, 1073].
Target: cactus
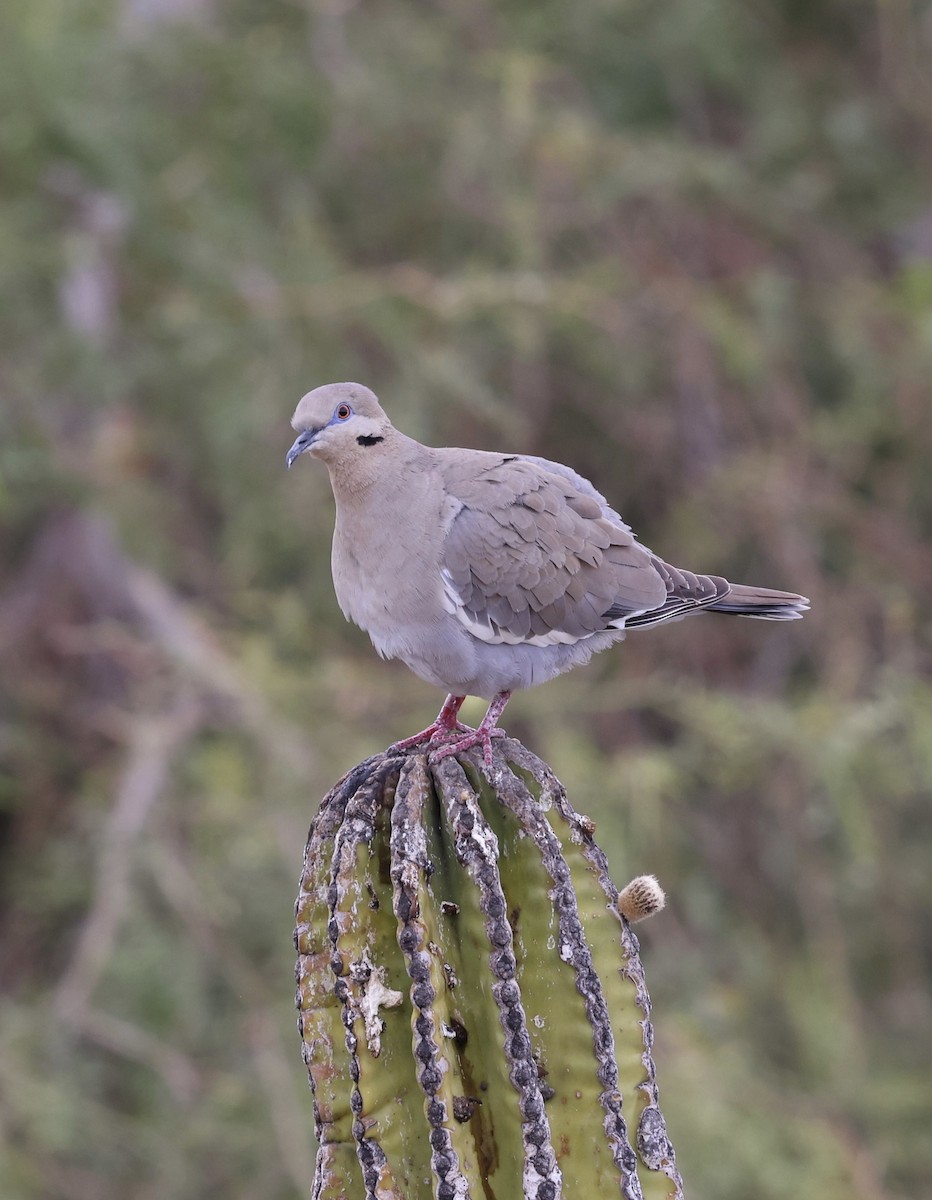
[473, 1012]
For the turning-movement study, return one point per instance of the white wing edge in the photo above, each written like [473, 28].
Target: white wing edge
[488, 631]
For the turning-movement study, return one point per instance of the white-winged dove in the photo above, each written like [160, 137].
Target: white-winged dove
[485, 573]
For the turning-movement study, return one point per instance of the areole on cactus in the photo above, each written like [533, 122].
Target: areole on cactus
[474, 1015]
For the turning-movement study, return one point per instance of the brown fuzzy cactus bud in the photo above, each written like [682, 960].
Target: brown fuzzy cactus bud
[642, 898]
[474, 1015]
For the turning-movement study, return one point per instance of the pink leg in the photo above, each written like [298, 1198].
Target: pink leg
[482, 736]
[444, 724]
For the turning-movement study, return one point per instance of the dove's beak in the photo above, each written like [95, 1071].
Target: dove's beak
[302, 442]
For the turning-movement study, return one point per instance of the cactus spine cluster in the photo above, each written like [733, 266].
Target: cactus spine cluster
[472, 1007]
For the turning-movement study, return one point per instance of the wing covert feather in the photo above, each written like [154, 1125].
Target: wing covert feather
[535, 554]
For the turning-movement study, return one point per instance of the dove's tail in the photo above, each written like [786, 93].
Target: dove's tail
[765, 604]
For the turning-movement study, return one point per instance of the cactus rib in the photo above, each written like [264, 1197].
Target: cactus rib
[477, 848]
[409, 867]
[653, 1143]
[319, 1025]
[574, 950]
[343, 900]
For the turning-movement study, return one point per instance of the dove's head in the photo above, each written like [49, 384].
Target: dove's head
[336, 421]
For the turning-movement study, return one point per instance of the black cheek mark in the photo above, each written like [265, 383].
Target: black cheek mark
[363, 440]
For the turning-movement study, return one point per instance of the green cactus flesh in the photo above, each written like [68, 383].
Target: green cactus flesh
[474, 1016]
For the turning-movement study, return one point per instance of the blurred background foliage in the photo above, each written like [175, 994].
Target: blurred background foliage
[684, 245]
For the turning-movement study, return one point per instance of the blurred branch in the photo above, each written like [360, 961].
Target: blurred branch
[275, 1069]
[152, 744]
[177, 1071]
[179, 633]
[329, 46]
[905, 43]
[76, 564]
[261, 1031]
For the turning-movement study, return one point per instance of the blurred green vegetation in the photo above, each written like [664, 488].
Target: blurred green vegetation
[684, 245]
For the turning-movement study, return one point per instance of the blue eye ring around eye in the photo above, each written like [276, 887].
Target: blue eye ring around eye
[343, 412]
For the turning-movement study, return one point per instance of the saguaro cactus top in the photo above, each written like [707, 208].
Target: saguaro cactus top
[474, 1015]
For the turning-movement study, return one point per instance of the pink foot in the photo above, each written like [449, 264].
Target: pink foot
[472, 737]
[482, 736]
[444, 725]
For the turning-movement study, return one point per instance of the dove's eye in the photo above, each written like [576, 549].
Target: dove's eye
[344, 412]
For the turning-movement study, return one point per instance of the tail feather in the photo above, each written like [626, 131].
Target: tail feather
[688, 593]
[765, 604]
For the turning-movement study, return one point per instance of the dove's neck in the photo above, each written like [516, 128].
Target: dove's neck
[374, 471]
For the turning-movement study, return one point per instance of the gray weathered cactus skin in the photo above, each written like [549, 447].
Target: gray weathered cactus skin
[474, 1016]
